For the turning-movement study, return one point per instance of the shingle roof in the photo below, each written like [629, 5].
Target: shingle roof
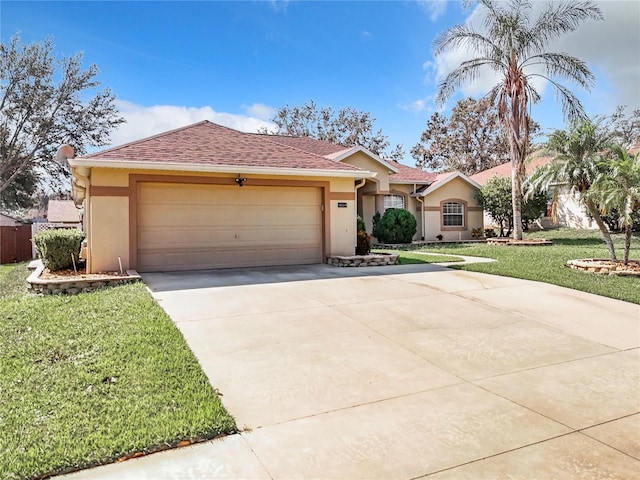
[410, 174]
[310, 145]
[206, 143]
[62, 211]
[504, 170]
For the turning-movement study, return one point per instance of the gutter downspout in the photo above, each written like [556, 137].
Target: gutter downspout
[358, 186]
[80, 186]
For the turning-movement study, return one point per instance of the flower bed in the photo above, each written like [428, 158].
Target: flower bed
[67, 281]
[372, 260]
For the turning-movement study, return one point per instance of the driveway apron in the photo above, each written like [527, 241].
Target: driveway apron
[404, 372]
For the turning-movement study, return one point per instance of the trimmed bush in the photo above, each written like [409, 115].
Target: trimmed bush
[55, 247]
[363, 246]
[397, 225]
[360, 224]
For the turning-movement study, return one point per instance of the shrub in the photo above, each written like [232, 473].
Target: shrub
[55, 247]
[360, 223]
[397, 225]
[363, 245]
[376, 222]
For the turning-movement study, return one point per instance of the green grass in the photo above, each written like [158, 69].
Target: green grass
[548, 263]
[86, 379]
[408, 258]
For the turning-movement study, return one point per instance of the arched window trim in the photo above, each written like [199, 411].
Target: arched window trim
[462, 215]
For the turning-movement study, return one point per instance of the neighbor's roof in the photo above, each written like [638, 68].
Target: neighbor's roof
[62, 211]
[504, 170]
[209, 144]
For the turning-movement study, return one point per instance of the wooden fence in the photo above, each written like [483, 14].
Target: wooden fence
[15, 244]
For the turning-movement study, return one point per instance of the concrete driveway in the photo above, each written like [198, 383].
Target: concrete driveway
[403, 373]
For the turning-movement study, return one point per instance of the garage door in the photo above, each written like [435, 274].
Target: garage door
[191, 226]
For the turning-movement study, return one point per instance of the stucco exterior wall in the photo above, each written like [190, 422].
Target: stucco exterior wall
[365, 162]
[109, 228]
[108, 233]
[456, 190]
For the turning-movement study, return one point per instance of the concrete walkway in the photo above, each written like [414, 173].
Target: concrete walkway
[402, 373]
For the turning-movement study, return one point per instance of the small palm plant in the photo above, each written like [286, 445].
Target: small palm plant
[576, 163]
[618, 187]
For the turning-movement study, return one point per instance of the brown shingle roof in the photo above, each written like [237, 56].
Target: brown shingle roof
[410, 174]
[307, 144]
[62, 211]
[504, 170]
[206, 143]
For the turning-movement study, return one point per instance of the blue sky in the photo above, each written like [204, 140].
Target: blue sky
[175, 63]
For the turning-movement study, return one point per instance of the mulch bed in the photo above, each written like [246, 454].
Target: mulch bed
[70, 274]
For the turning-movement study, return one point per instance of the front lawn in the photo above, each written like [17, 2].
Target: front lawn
[548, 263]
[90, 378]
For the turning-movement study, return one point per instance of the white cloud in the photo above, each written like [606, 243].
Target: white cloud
[609, 47]
[260, 111]
[146, 121]
[435, 8]
[419, 105]
[278, 5]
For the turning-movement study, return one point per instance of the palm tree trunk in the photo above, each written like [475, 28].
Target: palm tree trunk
[593, 210]
[516, 199]
[627, 242]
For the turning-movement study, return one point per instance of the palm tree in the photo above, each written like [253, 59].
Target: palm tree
[515, 48]
[577, 163]
[618, 187]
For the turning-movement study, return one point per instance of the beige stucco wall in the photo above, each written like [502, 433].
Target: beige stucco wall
[108, 233]
[107, 215]
[365, 162]
[455, 190]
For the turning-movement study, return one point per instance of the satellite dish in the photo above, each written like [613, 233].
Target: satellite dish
[65, 152]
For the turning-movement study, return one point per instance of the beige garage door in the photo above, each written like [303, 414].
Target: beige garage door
[190, 226]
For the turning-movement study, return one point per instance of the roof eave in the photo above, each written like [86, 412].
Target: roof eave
[235, 169]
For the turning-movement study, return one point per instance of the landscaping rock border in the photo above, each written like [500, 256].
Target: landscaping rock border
[373, 260]
[606, 267]
[76, 285]
[518, 243]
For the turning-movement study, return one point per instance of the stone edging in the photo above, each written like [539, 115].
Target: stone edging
[75, 285]
[519, 243]
[373, 260]
[606, 267]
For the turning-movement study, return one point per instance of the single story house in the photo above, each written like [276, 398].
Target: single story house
[569, 210]
[9, 221]
[207, 196]
[63, 213]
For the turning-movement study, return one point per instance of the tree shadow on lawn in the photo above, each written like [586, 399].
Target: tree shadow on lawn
[579, 242]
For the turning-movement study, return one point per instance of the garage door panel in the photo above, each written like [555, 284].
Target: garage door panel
[217, 226]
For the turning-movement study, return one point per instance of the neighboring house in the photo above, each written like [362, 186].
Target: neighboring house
[63, 213]
[206, 196]
[570, 212]
[7, 221]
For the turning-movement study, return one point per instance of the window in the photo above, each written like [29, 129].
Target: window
[393, 201]
[452, 214]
